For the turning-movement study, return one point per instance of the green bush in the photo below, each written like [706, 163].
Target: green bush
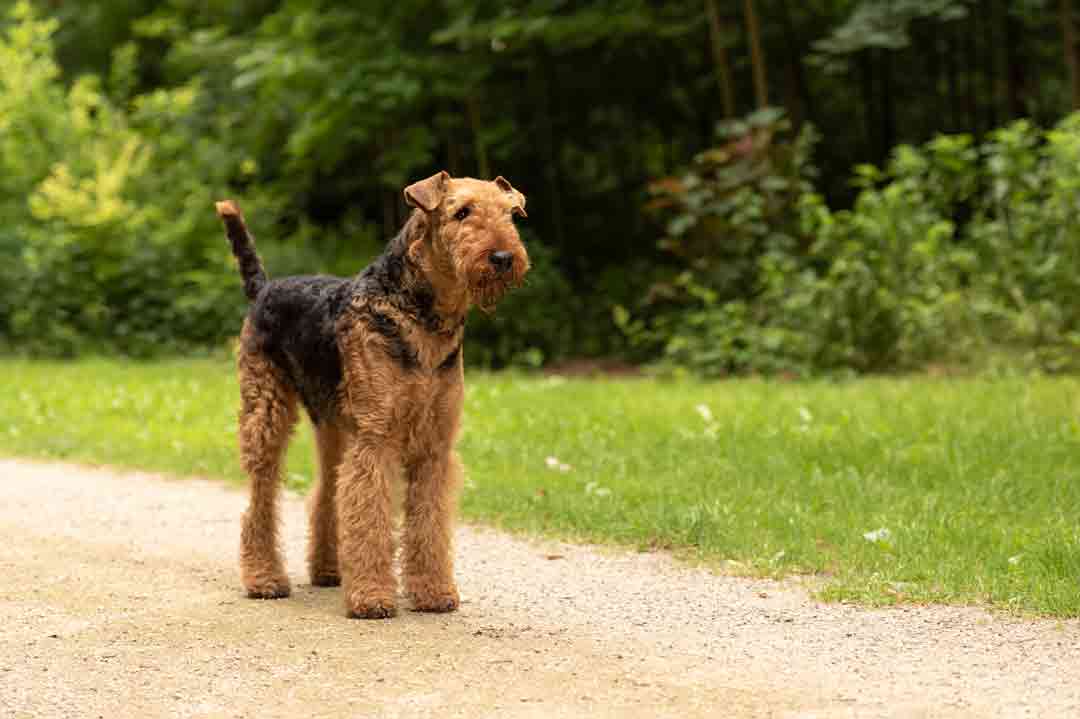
[731, 220]
[110, 243]
[1027, 238]
[879, 288]
[950, 254]
[107, 205]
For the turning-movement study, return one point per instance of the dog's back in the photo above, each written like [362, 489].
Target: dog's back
[293, 322]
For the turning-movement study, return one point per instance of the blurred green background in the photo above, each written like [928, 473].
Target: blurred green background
[715, 186]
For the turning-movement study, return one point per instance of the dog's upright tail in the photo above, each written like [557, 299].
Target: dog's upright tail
[243, 248]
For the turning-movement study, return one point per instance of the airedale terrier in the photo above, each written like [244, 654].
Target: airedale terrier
[376, 360]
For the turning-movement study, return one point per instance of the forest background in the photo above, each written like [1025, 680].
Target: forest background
[716, 186]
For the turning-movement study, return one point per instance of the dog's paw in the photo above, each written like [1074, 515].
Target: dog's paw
[268, 588]
[434, 599]
[370, 606]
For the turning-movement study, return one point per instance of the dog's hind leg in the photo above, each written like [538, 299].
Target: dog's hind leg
[322, 512]
[267, 417]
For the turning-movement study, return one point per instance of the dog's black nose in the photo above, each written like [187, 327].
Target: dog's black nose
[501, 261]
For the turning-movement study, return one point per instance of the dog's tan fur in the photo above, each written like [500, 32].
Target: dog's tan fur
[392, 421]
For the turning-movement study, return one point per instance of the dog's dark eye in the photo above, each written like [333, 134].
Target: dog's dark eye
[461, 214]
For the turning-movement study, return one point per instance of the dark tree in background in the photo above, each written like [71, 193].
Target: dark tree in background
[1068, 43]
[329, 108]
[340, 103]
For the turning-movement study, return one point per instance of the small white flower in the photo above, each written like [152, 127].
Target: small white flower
[1015, 559]
[878, 535]
[596, 490]
[705, 412]
[805, 415]
[554, 463]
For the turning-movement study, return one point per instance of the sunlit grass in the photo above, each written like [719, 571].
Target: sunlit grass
[976, 482]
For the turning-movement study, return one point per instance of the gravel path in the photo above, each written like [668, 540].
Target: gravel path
[119, 598]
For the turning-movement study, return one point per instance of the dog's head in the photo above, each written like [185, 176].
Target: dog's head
[471, 240]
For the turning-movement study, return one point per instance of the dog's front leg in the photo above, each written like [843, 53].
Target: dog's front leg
[365, 531]
[430, 502]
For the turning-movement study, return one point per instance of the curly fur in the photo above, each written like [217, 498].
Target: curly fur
[376, 361]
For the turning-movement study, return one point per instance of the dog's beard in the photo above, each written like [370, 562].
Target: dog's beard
[486, 292]
[487, 287]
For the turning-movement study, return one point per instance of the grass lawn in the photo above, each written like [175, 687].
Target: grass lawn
[887, 489]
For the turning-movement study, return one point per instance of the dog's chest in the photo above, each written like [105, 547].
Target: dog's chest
[425, 406]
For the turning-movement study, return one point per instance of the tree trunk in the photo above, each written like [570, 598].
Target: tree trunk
[866, 74]
[888, 106]
[757, 55]
[951, 65]
[1014, 66]
[993, 73]
[482, 165]
[1068, 37]
[720, 59]
[798, 74]
[546, 145]
[931, 120]
[970, 89]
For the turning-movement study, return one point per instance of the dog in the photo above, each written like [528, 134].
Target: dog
[376, 361]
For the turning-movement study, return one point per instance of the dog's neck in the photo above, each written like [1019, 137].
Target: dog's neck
[433, 296]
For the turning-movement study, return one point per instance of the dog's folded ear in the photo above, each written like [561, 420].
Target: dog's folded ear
[427, 194]
[519, 199]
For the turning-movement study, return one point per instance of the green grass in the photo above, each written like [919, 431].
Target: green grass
[977, 481]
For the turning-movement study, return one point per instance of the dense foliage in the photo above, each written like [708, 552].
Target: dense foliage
[955, 252]
[123, 119]
[106, 239]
